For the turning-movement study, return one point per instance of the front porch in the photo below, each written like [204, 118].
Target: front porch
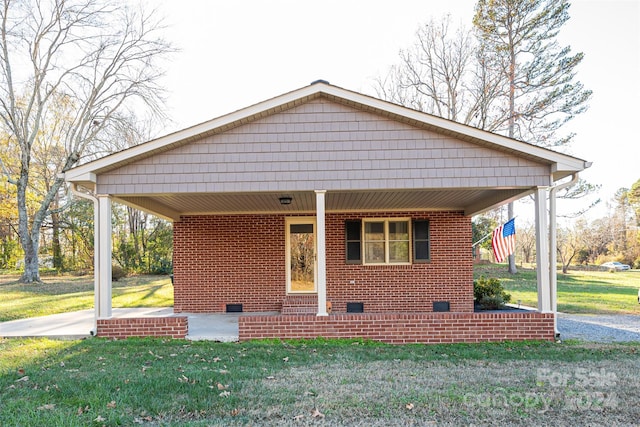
[404, 328]
[392, 328]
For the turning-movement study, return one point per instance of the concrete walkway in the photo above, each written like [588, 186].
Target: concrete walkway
[79, 324]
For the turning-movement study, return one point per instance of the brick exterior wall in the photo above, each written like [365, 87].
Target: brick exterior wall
[174, 327]
[395, 328]
[240, 259]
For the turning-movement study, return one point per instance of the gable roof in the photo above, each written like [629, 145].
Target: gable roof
[562, 165]
[368, 154]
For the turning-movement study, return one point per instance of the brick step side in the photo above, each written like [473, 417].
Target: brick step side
[300, 304]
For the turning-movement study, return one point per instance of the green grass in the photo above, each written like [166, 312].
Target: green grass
[175, 382]
[595, 292]
[60, 294]
[582, 292]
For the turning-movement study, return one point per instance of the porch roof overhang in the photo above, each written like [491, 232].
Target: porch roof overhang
[470, 200]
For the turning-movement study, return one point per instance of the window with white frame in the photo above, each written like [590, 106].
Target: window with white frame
[386, 241]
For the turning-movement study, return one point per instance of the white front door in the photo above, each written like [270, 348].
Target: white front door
[301, 255]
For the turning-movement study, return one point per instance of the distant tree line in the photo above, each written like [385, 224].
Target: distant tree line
[586, 243]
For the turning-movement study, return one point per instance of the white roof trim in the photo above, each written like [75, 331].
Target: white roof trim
[561, 162]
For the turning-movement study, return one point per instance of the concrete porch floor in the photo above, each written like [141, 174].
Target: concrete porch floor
[221, 327]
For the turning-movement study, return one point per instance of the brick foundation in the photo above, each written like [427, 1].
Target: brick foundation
[393, 328]
[173, 327]
[240, 259]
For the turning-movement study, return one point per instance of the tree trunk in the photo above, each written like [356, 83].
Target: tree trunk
[31, 268]
[29, 244]
[512, 124]
[55, 241]
[512, 257]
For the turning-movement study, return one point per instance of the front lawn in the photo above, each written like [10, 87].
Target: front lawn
[583, 292]
[319, 382]
[61, 294]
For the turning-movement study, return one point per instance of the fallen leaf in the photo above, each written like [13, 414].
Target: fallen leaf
[99, 419]
[111, 404]
[223, 371]
[225, 394]
[216, 359]
[285, 359]
[20, 371]
[48, 406]
[298, 417]
[62, 364]
[409, 406]
[100, 359]
[271, 377]
[222, 387]
[317, 414]
[23, 379]
[82, 410]
[235, 412]
[173, 355]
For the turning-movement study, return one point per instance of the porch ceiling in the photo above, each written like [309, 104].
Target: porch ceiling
[471, 201]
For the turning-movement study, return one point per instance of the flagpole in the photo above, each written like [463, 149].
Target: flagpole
[488, 235]
[481, 240]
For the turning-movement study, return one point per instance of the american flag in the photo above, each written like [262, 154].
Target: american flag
[503, 241]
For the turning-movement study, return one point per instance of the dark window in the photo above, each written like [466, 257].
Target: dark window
[397, 236]
[421, 246]
[353, 243]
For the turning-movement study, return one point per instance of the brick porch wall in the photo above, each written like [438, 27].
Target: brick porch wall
[174, 327]
[394, 328]
[240, 259]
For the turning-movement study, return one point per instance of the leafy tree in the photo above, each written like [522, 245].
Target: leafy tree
[633, 196]
[520, 82]
[96, 58]
[542, 92]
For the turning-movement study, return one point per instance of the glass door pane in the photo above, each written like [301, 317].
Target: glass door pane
[302, 258]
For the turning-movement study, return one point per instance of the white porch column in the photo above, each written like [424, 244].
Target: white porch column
[103, 307]
[542, 250]
[322, 253]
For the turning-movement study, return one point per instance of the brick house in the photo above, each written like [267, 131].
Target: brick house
[344, 214]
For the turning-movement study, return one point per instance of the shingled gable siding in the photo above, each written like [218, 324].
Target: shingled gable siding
[323, 145]
[240, 259]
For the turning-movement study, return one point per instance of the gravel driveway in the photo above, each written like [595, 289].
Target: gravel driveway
[599, 328]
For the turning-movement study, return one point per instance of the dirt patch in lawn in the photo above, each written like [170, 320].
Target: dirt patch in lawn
[441, 393]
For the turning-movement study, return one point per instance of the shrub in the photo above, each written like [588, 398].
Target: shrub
[489, 293]
[117, 273]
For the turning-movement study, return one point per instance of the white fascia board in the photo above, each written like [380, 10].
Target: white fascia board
[76, 175]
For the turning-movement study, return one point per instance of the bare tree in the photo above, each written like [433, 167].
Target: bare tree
[570, 243]
[437, 74]
[527, 241]
[99, 59]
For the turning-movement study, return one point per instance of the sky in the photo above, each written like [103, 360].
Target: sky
[236, 53]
